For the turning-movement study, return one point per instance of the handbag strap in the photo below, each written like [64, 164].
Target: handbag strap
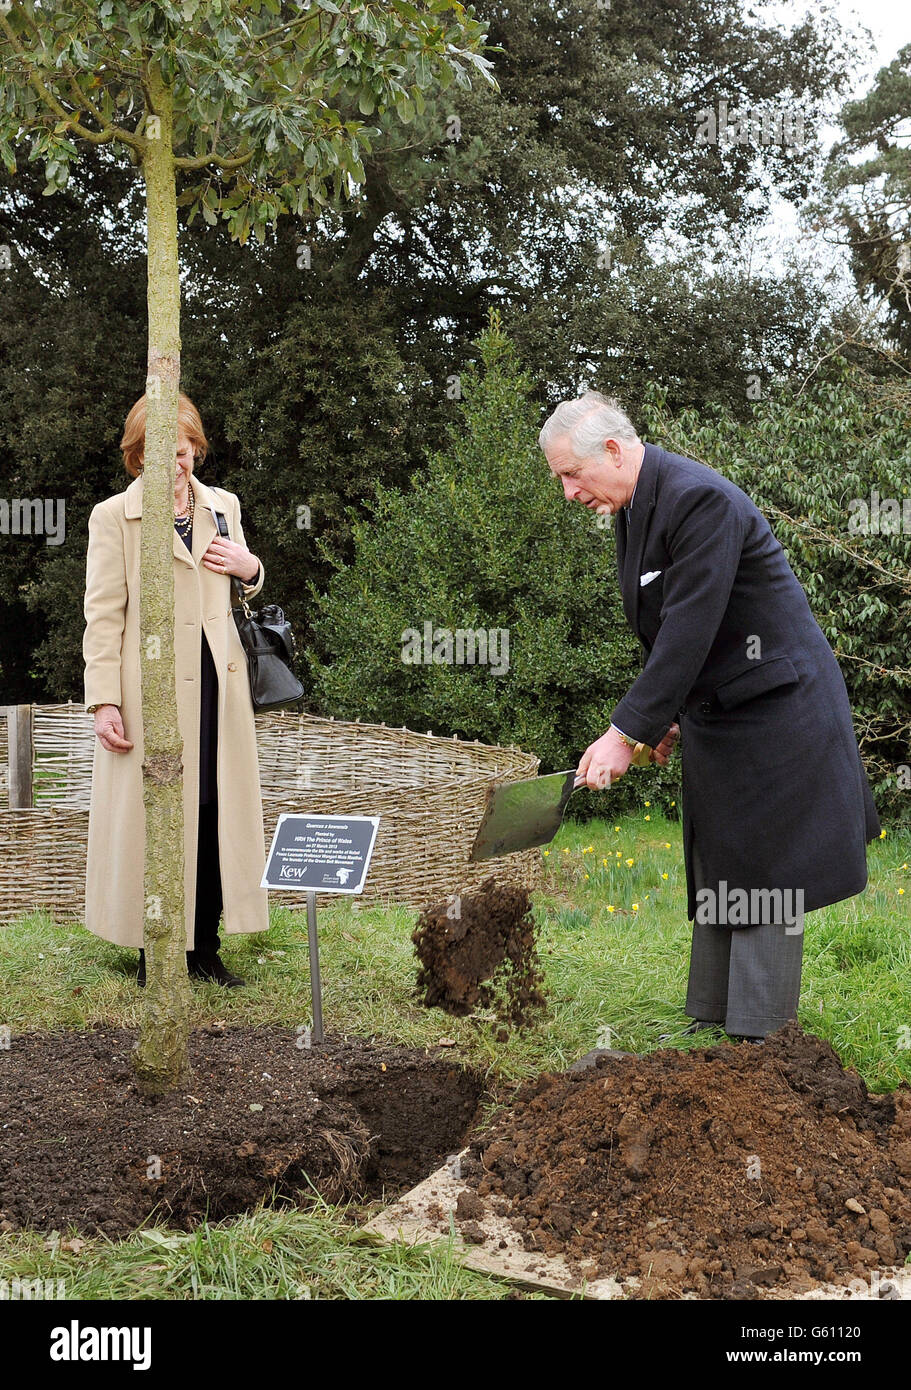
[235, 582]
[242, 598]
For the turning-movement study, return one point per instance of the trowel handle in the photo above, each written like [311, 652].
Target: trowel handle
[642, 755]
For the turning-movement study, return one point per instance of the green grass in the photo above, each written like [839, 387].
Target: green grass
[622, 970]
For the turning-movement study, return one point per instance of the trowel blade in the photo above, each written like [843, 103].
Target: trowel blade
[520, 815]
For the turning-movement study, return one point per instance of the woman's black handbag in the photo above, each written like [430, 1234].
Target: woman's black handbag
[269, 646]
[268, 642]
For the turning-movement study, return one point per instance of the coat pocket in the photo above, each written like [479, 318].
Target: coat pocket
[757, 680]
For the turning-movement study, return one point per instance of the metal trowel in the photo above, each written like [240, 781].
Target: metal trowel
[520, 815]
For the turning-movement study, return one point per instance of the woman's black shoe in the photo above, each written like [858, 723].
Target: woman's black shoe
[211, 967]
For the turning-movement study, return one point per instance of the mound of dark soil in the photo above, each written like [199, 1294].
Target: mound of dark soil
[79, 1146]
[716, 1171]
[480, 951]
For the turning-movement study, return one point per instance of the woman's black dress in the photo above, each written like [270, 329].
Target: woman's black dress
[209, 901]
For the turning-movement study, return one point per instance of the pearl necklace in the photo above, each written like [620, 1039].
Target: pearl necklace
[184, 520]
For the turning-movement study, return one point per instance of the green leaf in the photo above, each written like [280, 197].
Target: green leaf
[405, 108]
[366, 104]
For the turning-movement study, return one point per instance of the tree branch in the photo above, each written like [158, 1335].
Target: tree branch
[94, 137]
[220, 161]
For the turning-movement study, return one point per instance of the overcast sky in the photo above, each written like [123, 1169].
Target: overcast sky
[889, 20]
[890, 24]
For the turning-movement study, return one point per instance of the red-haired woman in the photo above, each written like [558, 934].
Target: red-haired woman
[224, 852]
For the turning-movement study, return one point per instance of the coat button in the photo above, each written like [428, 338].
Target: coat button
[705, 707]
[232, 666]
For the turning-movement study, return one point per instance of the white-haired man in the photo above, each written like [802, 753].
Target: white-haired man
[777, 810]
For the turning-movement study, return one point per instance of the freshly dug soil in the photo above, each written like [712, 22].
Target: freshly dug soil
[492, 940]
[78, 1145]
[717, 1171]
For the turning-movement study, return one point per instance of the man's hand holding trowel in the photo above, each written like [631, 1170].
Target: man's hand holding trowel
[609, 757]
[520, 815]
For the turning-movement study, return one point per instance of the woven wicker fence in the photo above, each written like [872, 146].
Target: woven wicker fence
[429, 793]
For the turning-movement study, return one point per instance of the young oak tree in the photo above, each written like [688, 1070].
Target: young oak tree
[253, 108]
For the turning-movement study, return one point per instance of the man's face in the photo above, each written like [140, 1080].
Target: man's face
[601, 484]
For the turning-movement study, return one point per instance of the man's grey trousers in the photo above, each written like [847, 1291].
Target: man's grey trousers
[745, 978]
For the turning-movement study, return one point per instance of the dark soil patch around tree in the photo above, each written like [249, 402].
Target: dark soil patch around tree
[712, 1173]
[480, 951]
[80, 1148]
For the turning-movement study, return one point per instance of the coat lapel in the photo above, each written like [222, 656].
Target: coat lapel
[632, 530]
[203, 522]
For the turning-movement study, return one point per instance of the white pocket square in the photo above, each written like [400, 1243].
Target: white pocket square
[647, 578]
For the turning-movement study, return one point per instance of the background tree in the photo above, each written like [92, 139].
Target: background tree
[254, 117]
[872, 199]
[482, 541]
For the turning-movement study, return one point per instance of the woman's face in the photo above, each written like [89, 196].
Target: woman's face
[184, 464]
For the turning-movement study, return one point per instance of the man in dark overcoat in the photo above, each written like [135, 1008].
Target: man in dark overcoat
[777, 809]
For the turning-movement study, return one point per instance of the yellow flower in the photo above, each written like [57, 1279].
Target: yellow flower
[882, 834]
[900, 891]
[611, 908]
[566, 849]
[604, 862]
[664, 875]
[904, 866]
[673, 803]
[617, 828]
[648, 803]
[630, 863]
[586, 875]
[546, 853]
[648, 818]
[589, 850]
[635, 907]
[667, 844]
[619, 853]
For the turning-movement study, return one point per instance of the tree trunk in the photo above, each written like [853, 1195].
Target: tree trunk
[160, 1058]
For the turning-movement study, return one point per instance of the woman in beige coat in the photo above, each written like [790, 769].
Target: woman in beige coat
[224, 853]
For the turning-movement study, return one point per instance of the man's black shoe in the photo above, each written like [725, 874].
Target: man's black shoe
[744, 1037]
[697, 1026]
[141, 972]
[212, 968]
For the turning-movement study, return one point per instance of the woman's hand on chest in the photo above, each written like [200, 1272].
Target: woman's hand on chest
[224, 556]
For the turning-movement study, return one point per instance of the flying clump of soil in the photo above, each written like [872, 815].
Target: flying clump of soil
[479, 951]
[715, 1173]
